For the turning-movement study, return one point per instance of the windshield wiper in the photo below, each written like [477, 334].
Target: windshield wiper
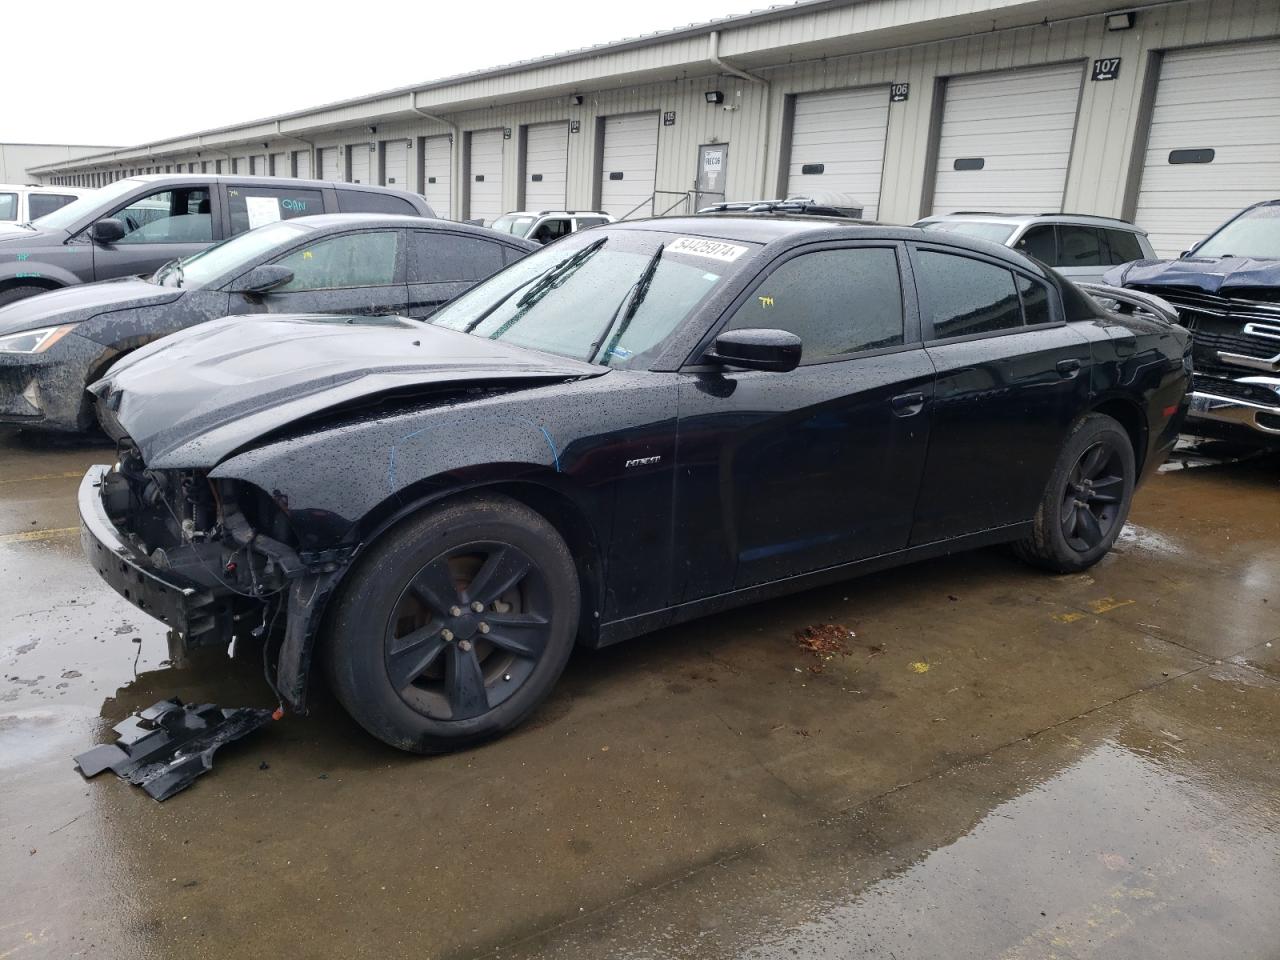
[631, 301]
[541, 285]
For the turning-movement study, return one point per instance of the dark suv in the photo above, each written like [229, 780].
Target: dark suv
[135, 226]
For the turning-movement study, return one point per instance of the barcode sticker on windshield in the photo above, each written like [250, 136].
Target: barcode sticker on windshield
[715, 249]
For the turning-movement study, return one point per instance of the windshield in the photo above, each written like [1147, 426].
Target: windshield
[611, 297]
[1255, 233]
[217, 261]
[64, 217]
[995, 232]
[516, 226]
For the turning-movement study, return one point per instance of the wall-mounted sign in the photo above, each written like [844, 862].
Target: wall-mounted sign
[898, 92]
[669, 118]
[506, 133]
[575, 126]
[1108, 68]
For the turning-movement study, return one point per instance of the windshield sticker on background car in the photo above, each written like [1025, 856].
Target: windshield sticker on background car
[715, 249]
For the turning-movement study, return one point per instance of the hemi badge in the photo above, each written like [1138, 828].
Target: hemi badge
[642, 461]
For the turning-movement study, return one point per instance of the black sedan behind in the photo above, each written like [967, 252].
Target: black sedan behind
[55, 344]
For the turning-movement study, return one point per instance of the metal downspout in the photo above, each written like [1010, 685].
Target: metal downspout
[455, 156]
[713, 54]
[315, 170]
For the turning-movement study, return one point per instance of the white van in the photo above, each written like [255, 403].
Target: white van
[27, 202]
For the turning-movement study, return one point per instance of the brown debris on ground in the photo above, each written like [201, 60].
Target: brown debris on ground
[825, 641]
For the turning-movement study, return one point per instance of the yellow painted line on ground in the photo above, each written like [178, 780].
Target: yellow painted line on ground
[46, 476]
[34, 535]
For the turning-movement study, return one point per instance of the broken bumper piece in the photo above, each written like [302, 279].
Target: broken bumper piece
[165, 747]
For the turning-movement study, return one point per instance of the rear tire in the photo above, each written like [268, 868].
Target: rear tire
[14, 294]
[455, 625]
[1087, 499]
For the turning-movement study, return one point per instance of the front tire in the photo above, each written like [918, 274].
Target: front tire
[1087, 499]
[455, 625]
[14, 294]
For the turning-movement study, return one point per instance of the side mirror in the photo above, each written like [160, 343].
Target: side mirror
[106, 231]
[260, 279]
[756, 349]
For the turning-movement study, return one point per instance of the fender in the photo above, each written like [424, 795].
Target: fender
[14, 272]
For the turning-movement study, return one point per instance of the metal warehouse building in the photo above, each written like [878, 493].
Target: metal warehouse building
[1166, 113]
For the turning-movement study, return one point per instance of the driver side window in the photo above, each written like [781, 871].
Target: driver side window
[838, 302]
[171, 216]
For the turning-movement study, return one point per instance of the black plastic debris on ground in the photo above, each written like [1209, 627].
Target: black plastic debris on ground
[165, 747]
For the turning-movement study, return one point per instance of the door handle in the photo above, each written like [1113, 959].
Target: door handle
[907, 404]
[1068, 368]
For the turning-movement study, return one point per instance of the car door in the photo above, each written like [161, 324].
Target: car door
[1011, 377]
[443, 265]
[360, 273]
[173, 221]
[783, 473]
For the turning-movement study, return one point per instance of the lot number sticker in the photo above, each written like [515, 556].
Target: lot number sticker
[713, 249]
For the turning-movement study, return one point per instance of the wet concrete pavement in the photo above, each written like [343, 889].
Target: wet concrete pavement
[1005, 764]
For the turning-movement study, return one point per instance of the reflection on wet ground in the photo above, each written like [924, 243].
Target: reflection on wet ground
[999, 764]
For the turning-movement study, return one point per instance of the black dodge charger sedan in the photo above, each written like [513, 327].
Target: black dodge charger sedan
[54, 344]
[643, 423]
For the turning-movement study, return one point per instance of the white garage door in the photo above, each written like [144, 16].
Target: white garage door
[395, 164]
[330, 165]
[486, 176]
[360, 156]
[436, 157]
[279, 165]
[302, 161]
[630, 164]
[258, 164]
[1006, 140]
[1214, 145]
[546, 164]
[837, 145]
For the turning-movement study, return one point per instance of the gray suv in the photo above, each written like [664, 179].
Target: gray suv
[1080, 246]
[134, 226]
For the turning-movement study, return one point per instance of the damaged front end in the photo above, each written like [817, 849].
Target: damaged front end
[213, 559]
[1235, 391]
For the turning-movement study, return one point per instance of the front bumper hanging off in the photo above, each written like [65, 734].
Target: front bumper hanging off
[184, 606]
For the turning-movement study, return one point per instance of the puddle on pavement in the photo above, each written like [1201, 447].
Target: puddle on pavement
[1103, 856]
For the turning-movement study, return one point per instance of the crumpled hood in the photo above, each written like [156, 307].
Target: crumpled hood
[195, 396]
[80, 302]
[1210, 274]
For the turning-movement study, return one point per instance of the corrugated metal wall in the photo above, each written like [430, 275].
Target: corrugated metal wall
[754, 118]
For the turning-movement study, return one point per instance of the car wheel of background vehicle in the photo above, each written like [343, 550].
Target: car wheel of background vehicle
[1087, 499]
[455, 625]
[14, 294]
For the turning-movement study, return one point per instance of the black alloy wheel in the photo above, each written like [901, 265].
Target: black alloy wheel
[1086, 501]
[1093, 495]
[467, 631]
[454, 625]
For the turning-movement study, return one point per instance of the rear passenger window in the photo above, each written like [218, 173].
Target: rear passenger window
[1035, 301]
[961, 296]
[1080, 246]
[41, 203]
[253, 207]
[368, 201]
[8, 206]
[838, 302]
[1039, 242]
[439, 257]
[1123, 246]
